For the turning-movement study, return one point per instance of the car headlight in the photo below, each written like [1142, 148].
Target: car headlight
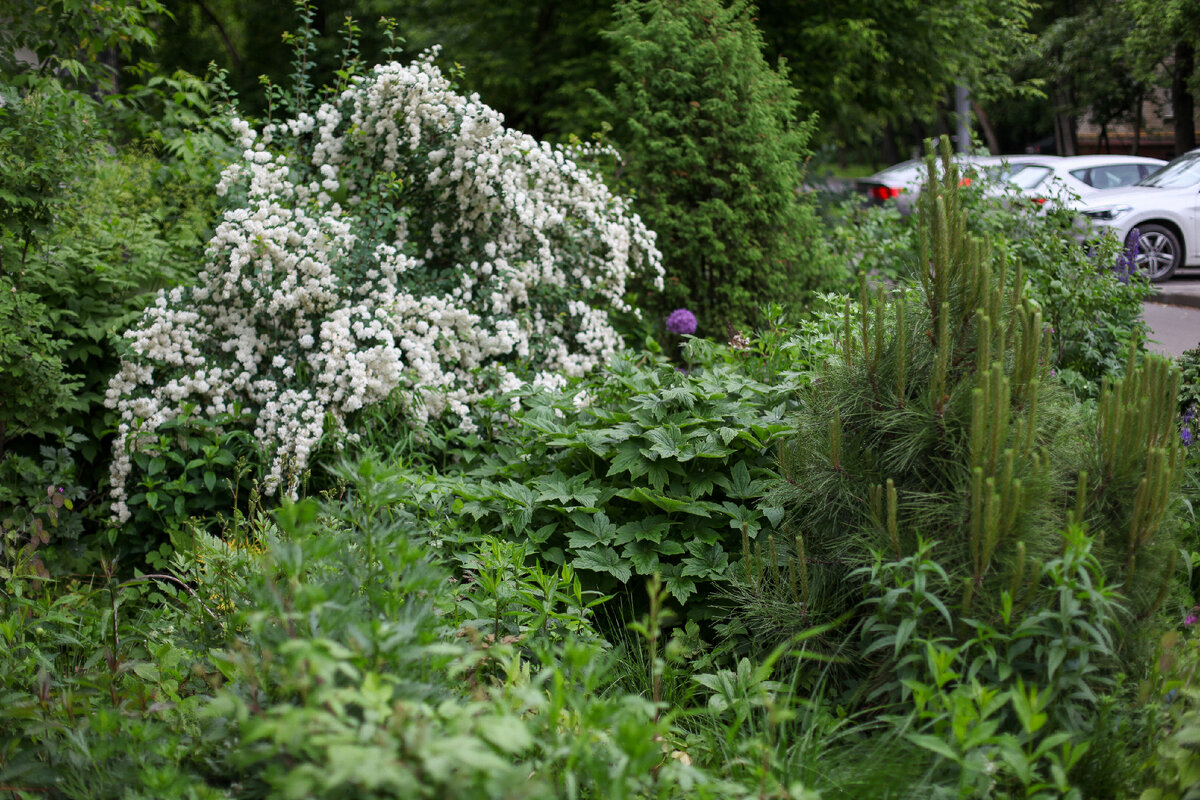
[1108, 212]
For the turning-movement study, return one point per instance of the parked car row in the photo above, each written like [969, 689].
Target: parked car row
[1148, 200]
[1041, 178]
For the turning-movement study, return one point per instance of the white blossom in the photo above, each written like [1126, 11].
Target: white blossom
[466, 257]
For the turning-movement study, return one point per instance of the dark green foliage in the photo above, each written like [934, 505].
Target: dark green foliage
[714, 150]
[193, 475]
[90, 227]
[940, 423]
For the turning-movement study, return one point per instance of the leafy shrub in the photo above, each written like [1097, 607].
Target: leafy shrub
[395, 240]
[89, 228]
[1089, 297]
[1174, 771]
[323, 651]
[712, 144]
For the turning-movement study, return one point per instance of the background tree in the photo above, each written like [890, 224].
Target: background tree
[714, 149]
[532, 61]
[875, 68]
[1162, 42]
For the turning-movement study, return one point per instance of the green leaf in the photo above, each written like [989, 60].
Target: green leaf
[934, 744]
[640, 494]
[665, 442]
[506, 733]
[646, 529]
[629, 459]
[707, 561]
[680, 587]
[603, 559]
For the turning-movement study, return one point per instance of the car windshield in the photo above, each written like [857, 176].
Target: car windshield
[1029, 176]
[1182, 172]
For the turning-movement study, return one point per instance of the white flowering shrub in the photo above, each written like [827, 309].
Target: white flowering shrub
[398, 241]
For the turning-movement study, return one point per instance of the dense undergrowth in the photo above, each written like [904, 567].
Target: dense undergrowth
[929, 540]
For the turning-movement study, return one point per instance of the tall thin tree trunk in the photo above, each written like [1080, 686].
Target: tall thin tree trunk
[985, 126]
[1137, 127]
[891, 153]
[1182, 100]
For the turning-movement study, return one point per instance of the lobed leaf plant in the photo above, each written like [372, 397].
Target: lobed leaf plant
[324, 650]
[643, 469]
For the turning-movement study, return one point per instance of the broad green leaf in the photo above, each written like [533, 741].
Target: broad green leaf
[665, 442]
[603, 559]
[629, 459]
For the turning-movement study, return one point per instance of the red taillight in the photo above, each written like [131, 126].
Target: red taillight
[885, 192]
[1038, 201]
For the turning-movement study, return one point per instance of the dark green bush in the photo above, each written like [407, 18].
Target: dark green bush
[713, 147]
[643, 469]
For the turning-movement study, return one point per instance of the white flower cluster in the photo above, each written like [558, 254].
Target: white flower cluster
[399, 241]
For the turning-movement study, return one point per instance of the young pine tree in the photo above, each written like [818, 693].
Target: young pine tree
[940, 433]
[714, 150]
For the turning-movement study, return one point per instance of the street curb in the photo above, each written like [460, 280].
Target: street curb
[1176, 298]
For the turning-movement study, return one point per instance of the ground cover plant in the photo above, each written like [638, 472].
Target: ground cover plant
[641, 470]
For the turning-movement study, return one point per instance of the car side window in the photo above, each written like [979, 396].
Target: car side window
[1110, 177]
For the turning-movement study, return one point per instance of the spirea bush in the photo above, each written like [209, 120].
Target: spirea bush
[397, 240]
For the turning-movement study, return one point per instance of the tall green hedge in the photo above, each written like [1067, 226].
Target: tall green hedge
[715, 153]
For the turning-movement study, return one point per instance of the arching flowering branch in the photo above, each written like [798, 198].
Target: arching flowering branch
[398, 240]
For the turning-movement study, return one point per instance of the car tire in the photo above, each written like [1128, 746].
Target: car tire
[1160, 252]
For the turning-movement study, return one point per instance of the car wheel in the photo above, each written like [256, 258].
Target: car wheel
[1159, 252]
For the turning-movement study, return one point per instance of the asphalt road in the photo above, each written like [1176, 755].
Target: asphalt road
[1174, 319]
[1173, 329]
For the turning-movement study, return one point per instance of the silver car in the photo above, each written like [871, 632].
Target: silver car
[900, 185]
[1044, 178]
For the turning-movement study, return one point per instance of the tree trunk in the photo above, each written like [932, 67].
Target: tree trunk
[234, 56]
[1182, 100]
[985, 126]
[891, 153]
[1137, 127]
[1065, 138]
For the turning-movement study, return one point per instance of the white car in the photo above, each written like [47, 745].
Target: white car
[1041, 178]
[900, 184]
[1165, 210]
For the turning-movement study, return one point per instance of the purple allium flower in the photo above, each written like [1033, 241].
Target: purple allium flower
[681, 321]
[1186, 436]
[1127, 262]
[1191, 620]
